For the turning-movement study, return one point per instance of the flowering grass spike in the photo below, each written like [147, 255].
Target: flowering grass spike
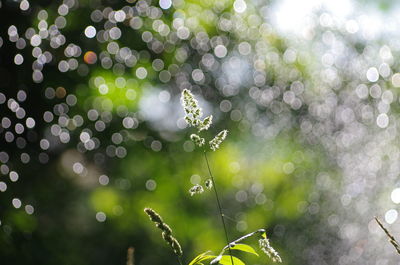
[209, 184]
[265, 246]
[192, 118]
[218, 139]
[196, 189]
[192, 109]
[206, 123]
[197, 140]
[166, 231]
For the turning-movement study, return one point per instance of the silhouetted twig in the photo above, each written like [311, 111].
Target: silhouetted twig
[392, 240]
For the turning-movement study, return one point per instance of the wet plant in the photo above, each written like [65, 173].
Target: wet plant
[193, 117]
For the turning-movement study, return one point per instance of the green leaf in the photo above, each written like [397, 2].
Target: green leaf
[264, 235]
[206, 257]
[201, 257]
[196, 259]
[226, 260]
[245, 248]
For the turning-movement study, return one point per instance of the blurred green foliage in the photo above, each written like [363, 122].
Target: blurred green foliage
[264, 183]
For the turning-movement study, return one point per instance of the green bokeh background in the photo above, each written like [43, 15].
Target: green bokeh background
[63, 229]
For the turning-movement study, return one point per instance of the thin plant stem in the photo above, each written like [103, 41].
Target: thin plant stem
[392, 240]
[259, 231]
[180, 260]
[130, 258]
[219, 206]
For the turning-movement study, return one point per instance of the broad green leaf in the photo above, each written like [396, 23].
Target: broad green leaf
[226, 260]
[245, 248]
[201, 257]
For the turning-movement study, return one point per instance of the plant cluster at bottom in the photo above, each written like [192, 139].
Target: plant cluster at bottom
[193, 119]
